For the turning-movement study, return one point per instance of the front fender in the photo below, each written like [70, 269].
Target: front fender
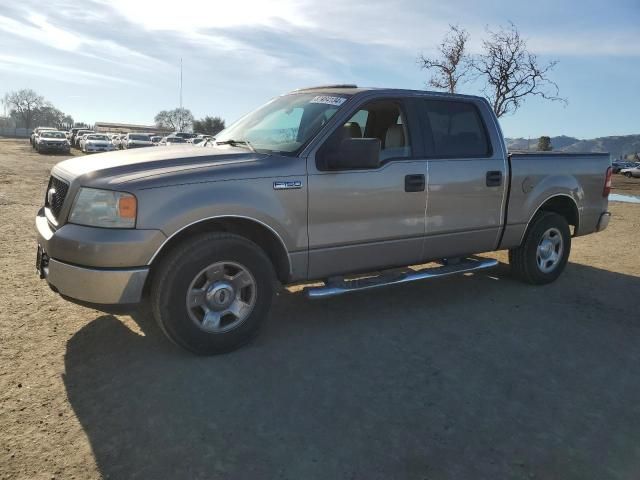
[173, 208]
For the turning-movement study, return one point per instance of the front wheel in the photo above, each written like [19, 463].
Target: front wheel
[628, 174]
[544, 253]
[211, 294]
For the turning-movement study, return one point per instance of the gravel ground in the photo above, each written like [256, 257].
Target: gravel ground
[465, 378]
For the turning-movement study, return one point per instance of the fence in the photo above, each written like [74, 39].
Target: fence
[15, 132]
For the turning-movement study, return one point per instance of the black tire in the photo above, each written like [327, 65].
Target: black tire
[523, 260]
[628, 174]
[178, 269]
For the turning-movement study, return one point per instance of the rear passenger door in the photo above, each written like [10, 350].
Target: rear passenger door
[467, 177]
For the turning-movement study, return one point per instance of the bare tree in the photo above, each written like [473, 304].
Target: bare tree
[25, 103]
[452, 63]
[178, 119]
[511, 72]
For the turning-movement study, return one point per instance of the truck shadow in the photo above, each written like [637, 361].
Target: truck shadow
[470, 377]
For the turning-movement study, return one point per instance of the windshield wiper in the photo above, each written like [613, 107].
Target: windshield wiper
[235, 143]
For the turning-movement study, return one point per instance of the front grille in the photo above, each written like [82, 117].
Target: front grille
[57, 199]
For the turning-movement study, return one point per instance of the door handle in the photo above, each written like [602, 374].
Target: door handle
[414, 183]
[494, 178]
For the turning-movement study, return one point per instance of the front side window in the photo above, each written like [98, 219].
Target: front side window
[285, 124]
[381, 119]
[456, 129]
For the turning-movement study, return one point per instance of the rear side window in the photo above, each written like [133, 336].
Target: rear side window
[456, 129]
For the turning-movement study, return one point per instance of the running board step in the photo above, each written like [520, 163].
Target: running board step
[395, 277]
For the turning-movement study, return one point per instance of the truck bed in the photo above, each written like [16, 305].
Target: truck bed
[579, 176]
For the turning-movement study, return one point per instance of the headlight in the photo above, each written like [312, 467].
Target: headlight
[104, 208]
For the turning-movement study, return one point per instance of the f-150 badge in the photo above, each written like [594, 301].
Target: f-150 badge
[287, 185]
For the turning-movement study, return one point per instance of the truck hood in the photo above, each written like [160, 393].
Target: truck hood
[130, 165]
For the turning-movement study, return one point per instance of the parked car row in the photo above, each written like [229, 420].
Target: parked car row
[631, 171]
[45, 139]
[628, 169]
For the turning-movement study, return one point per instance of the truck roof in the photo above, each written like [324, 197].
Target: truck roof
[351, 89]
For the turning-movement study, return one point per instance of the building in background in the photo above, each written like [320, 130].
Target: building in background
[108, 127]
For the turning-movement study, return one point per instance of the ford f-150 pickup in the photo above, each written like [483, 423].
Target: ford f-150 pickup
[341, 184]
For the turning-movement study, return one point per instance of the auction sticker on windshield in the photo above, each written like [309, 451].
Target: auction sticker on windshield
[328, 99]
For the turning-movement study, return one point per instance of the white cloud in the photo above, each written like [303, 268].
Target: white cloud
[40, 67]
[38, 29]
[188, 15]
[610, 43]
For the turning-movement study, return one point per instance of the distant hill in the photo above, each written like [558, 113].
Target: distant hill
[616, 146]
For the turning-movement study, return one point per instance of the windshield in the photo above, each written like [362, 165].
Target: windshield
[176, 140]
[144, 138]
[48, 134]
[284, 124]
[97, 137]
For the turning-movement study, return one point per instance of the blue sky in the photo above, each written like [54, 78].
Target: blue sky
[117, 60]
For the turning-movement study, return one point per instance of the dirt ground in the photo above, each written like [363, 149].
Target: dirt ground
[465, 378]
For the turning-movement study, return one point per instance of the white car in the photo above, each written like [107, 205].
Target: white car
[171, 140]
[75, 142]
[96, 142]
[136, 140]
[33, 139]
[52, 141]
[631, 172]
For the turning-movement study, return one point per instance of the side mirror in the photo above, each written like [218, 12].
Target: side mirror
[354, 153]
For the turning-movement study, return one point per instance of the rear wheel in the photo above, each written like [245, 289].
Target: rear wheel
[545, 250]
[211, 294]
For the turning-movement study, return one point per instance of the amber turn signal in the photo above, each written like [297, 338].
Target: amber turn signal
[127, 206]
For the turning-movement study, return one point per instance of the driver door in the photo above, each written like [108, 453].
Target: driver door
[366, 219]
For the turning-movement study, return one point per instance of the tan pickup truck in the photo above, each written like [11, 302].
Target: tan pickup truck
[340, 184]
